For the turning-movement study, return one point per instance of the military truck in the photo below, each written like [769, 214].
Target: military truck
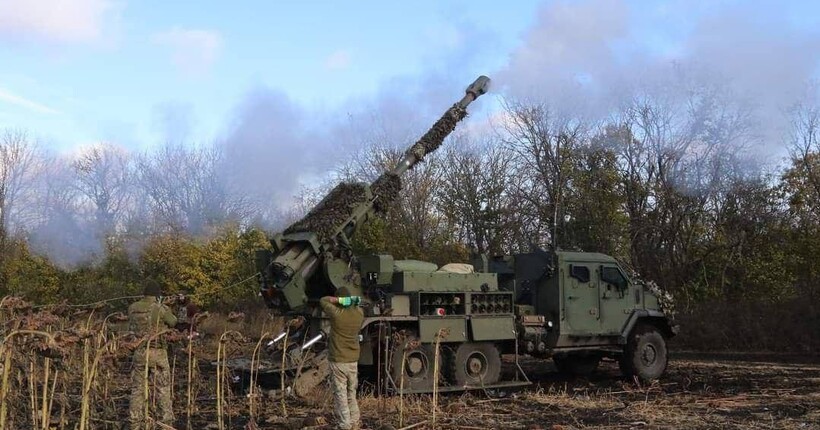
[449, 326]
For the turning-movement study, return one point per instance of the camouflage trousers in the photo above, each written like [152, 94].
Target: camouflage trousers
[344, 378]
[155, 361]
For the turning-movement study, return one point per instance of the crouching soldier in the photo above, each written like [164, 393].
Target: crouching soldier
[345, 323]
[147, 318]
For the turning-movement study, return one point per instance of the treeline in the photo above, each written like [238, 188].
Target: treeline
[671, 183]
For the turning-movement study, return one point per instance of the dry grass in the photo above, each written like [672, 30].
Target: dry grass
[68, 370]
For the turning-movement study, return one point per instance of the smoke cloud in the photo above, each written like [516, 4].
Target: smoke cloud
[588, 58]
[268, 149]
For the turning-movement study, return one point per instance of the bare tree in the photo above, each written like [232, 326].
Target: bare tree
[185, 190]
[103, 177]
[61, 231]
[543, 143]
[20, 160]
[804, 141]
[477, 195]
[677, 148]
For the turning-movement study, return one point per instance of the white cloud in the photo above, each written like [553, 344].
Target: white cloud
[56, 21]
[8, 97]
[193, 51]
[338, 60]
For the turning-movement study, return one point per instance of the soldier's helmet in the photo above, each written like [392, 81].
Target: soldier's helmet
[150, 287]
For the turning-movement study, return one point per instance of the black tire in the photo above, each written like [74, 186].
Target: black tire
[576, 365]
[418, 366]
[475, 364]
[645, 354]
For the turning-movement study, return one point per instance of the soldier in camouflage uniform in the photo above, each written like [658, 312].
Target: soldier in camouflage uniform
[345, 323]
[147, 318]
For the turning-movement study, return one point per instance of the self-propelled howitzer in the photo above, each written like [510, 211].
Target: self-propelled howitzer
[429, 328]
[319, 243]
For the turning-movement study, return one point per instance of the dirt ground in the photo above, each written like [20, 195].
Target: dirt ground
[700, 391]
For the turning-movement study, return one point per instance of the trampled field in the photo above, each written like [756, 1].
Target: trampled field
[700, 391]
[72, 372]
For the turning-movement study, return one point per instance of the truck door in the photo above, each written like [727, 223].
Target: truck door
[617, 301]
[580, 299]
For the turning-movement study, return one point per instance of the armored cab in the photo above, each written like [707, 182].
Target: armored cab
[578, 307]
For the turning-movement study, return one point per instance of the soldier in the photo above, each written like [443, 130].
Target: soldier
[147, 318]
[345, 322]
[187, 311]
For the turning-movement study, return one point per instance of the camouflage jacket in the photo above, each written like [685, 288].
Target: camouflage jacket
[148, 317]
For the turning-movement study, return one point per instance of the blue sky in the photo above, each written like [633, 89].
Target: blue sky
[75, 72]
[192, 61]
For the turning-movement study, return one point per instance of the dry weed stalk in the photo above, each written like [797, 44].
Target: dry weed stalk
[442, 333]
[91, 364]
[32, 394]
[401, 388]
[145, 373]
[189, 405]
[282, 370]
[221, 372]
[254, 375]
[7, 352]
[89, 375]
[47, 407]
[45, 411]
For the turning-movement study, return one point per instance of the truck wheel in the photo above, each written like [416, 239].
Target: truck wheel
[418, 366]
[645, 354]
[475, 364]
[576, 365]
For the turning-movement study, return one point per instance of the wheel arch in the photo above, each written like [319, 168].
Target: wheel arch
[648, 317]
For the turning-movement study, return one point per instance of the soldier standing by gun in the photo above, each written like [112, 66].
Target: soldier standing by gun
[345, 322]
[147, 318]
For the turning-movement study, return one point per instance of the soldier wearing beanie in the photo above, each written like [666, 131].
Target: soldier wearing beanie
[346, 319]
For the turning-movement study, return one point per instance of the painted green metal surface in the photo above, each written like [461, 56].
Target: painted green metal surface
[617, 301]
[455, 327]
[580, 314]
[501, 327]
[441, 281]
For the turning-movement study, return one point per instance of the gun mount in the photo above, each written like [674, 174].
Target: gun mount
[321, 240]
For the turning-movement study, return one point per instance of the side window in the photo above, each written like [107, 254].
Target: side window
[581, 273]
[613, 276]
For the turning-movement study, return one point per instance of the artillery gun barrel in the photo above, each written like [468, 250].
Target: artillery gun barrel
[443, 127]
[325, 232]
